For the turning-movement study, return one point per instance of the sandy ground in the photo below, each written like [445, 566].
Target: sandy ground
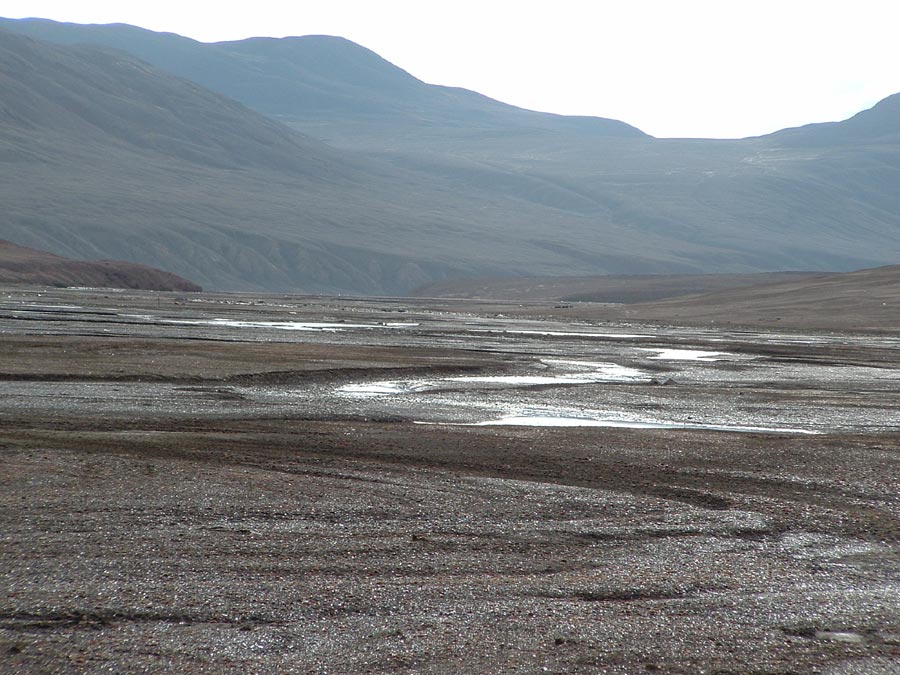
[202, 498]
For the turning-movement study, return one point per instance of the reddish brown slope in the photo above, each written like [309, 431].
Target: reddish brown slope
[625, 288]
[865, 300]
[21, 265]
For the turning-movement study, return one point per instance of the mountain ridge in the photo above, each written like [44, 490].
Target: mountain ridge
[56, 103]
[350, 206]
[271, 75]
[881, 121]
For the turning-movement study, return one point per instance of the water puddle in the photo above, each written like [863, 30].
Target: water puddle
[33, 305]
[289, 325]
[96, 288]
[839, 636]
[585, 372]
[385, 388]
[551, 333]
[565, 421]
[687, 355]
[574, 372]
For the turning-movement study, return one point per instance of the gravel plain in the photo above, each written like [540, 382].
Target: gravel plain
[211, 483]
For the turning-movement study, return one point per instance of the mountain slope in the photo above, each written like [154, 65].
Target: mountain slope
[20, 265]
[879, 124]
[104, 156]
[96, 94]
[610, 288]
[861, 300]
[319, 78]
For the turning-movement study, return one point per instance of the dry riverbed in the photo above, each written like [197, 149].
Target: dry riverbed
[209, 484]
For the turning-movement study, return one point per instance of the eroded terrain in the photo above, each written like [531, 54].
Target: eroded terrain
[289, 484]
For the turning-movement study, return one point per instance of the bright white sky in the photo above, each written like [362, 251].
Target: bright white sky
[689, 68]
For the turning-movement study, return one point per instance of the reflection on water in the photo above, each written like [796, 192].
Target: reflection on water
[566, 372]
[687, 355]
[583, 374]
[290, 325]
[385, 388]
[561, 421]
[578, 372]
[558, 333]
[498, 400]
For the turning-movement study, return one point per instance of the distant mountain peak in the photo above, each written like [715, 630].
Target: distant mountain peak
[149, 156]
[104, 94]
[878, 123]
[314, 78]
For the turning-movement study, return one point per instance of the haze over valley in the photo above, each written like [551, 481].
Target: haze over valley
[308, 365]
[313, 165]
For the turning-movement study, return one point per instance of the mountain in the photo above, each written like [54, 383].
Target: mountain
[104, 156]
[98, 96]
[21, 265]
[879, 124]
[316, 78]
[337, 172]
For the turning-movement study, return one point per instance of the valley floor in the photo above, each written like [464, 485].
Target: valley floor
[210, 483]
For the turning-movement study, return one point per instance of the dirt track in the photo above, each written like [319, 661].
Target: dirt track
[194, 498]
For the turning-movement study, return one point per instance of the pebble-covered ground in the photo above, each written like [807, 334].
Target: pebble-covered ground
[167, 506]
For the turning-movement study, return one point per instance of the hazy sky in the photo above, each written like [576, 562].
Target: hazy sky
[698, 68]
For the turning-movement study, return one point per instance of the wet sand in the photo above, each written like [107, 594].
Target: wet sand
[205, 497]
